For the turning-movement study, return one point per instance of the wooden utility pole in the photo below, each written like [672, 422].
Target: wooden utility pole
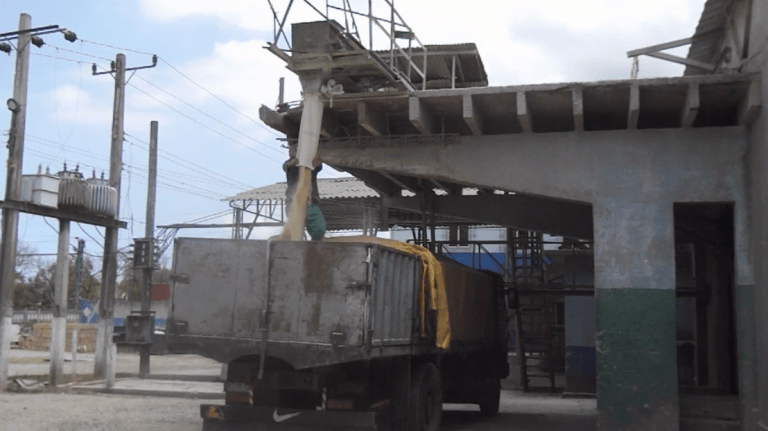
[12, 190]
[103, 363]
[146, 279]
[59, 324]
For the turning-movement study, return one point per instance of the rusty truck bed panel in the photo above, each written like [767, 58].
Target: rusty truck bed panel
[342, 301]
[316, 289]
[321, 302]
[218, 285]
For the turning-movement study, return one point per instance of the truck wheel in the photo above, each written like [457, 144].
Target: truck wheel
[489, 402]
[426, 402]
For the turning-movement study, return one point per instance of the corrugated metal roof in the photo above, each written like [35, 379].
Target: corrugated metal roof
[708, 34]
[329, 188]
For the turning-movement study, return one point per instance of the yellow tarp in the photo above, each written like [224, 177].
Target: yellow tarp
[432, 282]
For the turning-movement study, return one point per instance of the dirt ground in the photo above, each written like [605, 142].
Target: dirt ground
[98, 412]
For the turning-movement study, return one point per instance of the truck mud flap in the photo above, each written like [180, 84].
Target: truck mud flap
[242, 418]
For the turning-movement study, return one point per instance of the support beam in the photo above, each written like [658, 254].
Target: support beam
[691, 108]
[472, 116]
[376, 181]
[578, 109]
[406, 183]
[659, 47]
[420, 115]
[557, 217]
[523, 113]
[680, 60]
[59, 323]
[450, 188]
[634, 107]
[371, 120]
[750, 106]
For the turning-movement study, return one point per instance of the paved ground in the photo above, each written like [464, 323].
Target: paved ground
[30, 363]
[86, 410]
[102, 412]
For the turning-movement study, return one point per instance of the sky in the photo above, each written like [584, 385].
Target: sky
[213, 75]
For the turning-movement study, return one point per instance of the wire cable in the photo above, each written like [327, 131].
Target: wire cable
[211, 117]
[258, 123]
[114, 47]
[205, 126]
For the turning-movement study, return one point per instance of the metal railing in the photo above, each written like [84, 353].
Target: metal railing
[391, 29]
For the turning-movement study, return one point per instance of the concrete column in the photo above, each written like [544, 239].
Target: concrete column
[580, 370]
[635, 315]
[745, 298]
[59, 322]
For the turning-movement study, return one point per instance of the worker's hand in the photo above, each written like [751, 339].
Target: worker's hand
[316, 162]
[293, 161]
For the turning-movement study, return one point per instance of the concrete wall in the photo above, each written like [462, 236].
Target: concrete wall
[753, 287]
[632, 179]
[40, 339]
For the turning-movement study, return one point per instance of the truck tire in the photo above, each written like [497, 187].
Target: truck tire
[426, 401]
[489, 400]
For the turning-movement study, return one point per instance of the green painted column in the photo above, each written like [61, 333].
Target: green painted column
[635, 316]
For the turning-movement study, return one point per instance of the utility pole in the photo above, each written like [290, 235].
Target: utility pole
[18, 106]
[104, 358]
[146, 279]
[59, 324]
[79, 273]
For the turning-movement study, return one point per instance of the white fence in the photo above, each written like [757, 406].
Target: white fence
[35, 316]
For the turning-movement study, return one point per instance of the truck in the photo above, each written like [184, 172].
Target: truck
[332, 335]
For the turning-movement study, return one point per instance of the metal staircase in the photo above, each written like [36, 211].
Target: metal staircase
[535, 310]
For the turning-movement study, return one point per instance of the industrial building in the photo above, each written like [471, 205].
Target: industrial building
[656, 185]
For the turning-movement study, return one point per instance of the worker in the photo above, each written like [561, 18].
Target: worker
[315, 222]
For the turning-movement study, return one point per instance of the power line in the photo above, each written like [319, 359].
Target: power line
[79, 53]
[210, 116]
[204, 125]
[137, 170]
[215, 96]
[60, 58]
[163, 152]
[114, 47]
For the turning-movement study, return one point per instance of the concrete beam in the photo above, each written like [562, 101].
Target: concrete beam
[523, 113]
[578, 109]
[278, 121]
[751, 104]
[406, 183]
[472, 116]
[691, 108]
[571, 219]
[570, 166]
[371, 120]
[634, 107]
[376, 181]
[420, 115]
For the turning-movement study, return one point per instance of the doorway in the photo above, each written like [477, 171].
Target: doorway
[704, 279]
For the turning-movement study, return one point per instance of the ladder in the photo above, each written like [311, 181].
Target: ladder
[534, 310]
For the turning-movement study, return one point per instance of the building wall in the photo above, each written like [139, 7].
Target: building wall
[755, 288]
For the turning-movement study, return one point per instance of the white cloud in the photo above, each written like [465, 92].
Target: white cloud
[245, 14]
